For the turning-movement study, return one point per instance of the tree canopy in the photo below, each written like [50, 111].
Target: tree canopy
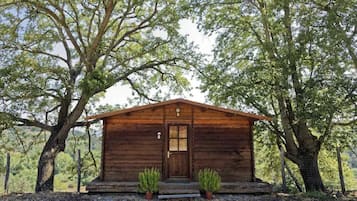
[294, 61]
[57, 55]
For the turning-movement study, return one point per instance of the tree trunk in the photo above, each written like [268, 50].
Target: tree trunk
[310, 172]
[340, 171]
[283, 178]
[46, 163]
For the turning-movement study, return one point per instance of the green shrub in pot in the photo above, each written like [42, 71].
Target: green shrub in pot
[149, 181]
[209, 181]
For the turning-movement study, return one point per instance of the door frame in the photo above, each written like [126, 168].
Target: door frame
[166, 149]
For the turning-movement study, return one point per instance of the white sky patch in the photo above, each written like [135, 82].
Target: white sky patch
[204, 42]
[119, 94]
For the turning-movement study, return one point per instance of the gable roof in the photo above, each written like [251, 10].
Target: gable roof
[175, 101]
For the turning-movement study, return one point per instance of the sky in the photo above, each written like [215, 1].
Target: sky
[118, 94]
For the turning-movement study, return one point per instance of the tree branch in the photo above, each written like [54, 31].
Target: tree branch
[137, 28]
[48, 12]
[140, 93]
[347, 123]
[28, 122]
[147, 65]
[84, 123]
[328, 129]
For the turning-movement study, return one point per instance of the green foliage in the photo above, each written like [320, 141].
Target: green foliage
[96, 81]
[268, 167]
[209, 180]
[290, 60]
[149, 180]
[58, 56]
[267, 157]
[23, 174]
[329, 170]
[24, 146]
[5, 122]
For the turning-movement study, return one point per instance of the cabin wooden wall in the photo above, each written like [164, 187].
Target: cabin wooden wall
[222, 142]
[226, 150]
[131, 145]
[219, 140]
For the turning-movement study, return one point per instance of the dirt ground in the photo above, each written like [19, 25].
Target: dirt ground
[140, 197]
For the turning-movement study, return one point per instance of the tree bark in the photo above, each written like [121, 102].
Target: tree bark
[340, 171]
[283, 179]
[46, 163]
[56, 144]
[309, 170]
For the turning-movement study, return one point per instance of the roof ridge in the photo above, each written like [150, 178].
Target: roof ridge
[178, 100]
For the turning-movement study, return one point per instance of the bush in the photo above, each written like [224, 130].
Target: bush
[209, 180]
[149, 180]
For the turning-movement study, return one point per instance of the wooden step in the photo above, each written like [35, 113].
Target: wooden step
[178, 191]
[178, 188]
[175, 196]
[188, 185]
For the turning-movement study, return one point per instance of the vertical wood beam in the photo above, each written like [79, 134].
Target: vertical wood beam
[102, 163]
[165, 145]
[191, 144]
[79, 165]
[252, 163]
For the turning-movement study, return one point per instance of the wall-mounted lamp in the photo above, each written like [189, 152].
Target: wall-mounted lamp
[158, 135]
[178, 111]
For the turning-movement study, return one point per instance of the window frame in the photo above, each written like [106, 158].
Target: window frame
[178, 138]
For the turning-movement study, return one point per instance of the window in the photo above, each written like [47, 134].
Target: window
[178, 138]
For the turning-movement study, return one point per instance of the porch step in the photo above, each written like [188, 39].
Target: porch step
[179, 188]
[175, 196]
[178, 191]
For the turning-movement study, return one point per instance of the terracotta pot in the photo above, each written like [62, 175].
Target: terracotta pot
[208, 195]
[148, 195]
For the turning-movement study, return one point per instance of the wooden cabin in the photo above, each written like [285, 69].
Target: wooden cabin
[179, 137]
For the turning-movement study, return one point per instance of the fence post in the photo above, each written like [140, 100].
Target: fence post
[340, 171]
[79, 164]
[283, 169]
[7, 174]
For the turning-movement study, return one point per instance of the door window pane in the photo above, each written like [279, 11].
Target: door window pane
[178, 138]
[173, 132]
[173, 145]
[183, 131]
[183, 145]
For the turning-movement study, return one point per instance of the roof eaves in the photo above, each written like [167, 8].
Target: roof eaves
[180, 100]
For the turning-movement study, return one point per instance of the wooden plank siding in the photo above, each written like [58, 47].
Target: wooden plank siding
[130, 148]
[216, 139]
[224, 149]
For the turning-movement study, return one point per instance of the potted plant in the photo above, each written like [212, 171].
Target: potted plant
[209, 181]
[149, 182]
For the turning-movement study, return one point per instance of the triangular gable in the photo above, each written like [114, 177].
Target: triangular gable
[177, 101]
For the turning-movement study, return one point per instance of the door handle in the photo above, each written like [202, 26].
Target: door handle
[168, 154]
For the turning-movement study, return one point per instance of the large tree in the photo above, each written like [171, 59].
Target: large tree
[57, 55]
[292, 60]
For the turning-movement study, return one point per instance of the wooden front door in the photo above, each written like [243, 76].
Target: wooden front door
[178, 151]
